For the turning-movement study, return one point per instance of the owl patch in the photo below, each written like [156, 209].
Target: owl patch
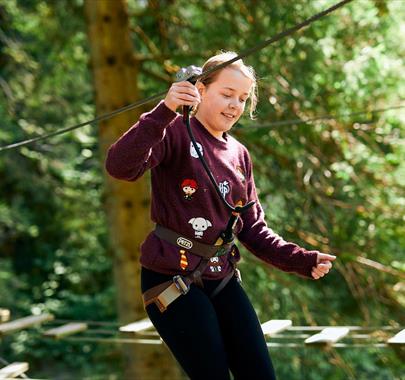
[193, 152]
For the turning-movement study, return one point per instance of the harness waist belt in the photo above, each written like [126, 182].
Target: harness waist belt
[164, 294]
[192, 245]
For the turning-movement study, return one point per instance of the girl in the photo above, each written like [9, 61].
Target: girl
[202, 313]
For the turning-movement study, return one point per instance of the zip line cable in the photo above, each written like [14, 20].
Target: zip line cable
[317, 118]
[95, 120]
[128, 107]
[276, 38]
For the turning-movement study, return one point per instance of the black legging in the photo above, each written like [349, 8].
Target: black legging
[209, 337]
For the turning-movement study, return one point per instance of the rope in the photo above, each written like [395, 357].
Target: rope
[245, 53]
[158, 341]
[3, 361]
[291, 328]
[89, 322]
[152, 337]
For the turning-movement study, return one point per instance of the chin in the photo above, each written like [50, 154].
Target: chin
[229, 126]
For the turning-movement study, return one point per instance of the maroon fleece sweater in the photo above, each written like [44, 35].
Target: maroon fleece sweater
[184, 200]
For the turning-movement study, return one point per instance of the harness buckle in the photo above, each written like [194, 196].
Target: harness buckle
[180, 284]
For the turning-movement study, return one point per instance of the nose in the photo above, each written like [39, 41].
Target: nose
[233, 104]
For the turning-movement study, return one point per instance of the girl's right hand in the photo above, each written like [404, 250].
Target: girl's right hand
[323, 265]
[182, 94]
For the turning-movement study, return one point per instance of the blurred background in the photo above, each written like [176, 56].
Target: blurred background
[328, 146]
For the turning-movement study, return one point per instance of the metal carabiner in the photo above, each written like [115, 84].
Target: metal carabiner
[189, 73]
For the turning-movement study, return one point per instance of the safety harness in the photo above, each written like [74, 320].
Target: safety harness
[164, 294]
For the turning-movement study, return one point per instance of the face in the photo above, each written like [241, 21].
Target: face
[223, 101]
[188, 190]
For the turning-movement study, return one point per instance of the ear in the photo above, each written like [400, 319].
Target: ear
[200, 87]
[191, 221]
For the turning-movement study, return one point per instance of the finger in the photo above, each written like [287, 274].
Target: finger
[314, 275]
[318, 272]
[185, 86]
[323, 270]
[324, 256]
[186, 99]
[189, 87]
[188, 95]
[187, 102]
[184, 83]
[327, 265]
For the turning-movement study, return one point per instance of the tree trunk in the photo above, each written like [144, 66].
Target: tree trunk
[127, 204]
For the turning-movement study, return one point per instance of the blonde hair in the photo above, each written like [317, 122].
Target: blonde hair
[248, 71]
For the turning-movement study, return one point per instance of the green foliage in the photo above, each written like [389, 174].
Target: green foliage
[52, 226]
[334, 185]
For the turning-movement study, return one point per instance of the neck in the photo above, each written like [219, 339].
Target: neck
[217, 134]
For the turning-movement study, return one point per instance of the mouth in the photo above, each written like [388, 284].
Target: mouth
[228, 116]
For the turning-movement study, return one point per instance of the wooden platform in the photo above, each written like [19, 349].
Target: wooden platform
[138, 326]
[328, 335]
[275, 326]
[23, 323]
[398, 338]
[13, 370]
[66, 330]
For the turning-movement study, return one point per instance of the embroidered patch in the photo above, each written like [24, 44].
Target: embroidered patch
[215, 267]
[189, 187]
[193, 152]
[184, 243]
[224, 187]
[199, 225]
[240, 173]
[183, 259]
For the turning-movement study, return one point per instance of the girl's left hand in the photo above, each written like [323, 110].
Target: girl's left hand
[323, 265]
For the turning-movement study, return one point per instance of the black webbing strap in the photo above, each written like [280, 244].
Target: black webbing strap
[228, 277]
[191, 245]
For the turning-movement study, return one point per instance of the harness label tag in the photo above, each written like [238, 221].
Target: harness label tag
[184, 243]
